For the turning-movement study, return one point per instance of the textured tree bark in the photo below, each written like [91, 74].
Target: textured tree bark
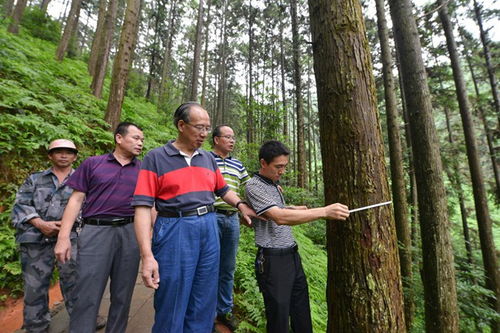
[283, 70]
[103, 49]
[364, 289]
[221, 68]
[250, 104]
[480, 199]
[17, 14]
[122, 63]
[299, 104]
[441, 311]
[197, 53]
[205, 56]
[397, 172]
[71, 22]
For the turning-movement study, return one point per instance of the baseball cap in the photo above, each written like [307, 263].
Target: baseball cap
[62, 143]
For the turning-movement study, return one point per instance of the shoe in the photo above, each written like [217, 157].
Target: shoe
[100, 322]
[228, 320]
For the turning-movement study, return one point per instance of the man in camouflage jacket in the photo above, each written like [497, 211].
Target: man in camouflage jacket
[36, 215]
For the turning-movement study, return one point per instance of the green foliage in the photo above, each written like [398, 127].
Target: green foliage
[41, 25]
[41, 100]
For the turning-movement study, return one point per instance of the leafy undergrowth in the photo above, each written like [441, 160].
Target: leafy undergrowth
[41, 100]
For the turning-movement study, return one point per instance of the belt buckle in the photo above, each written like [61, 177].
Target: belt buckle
[117, 222]
[202, 210]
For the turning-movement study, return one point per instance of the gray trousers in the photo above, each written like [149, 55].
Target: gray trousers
[37, 263]
[105, 252]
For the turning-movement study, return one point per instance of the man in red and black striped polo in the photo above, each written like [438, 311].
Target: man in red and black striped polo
[182, 261]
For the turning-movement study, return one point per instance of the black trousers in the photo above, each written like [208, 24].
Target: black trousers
[283, 284]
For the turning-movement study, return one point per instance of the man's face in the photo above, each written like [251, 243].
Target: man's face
[225, 141]
[275, 168]
[62, 157]
[132, 142]
[196, 131]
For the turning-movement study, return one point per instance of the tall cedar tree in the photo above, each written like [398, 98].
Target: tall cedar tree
[122, 63]
[250, 103]
[396, 156]
[364, 290]
[197, 53]
[71, 23]
[98, 35]
[480, 199]
[17, 14]
[299, 104]
[441, 311]
[103, 49]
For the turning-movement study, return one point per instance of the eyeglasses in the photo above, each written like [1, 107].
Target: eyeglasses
[201, 128]
[229, 137]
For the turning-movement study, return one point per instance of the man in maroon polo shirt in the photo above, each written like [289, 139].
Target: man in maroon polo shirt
[103, 187]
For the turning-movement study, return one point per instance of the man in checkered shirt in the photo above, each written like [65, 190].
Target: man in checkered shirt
[279, 272]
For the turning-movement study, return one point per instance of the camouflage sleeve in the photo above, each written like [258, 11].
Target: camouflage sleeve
[24, 209]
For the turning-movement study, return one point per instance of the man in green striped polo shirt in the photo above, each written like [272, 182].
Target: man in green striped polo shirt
[236, 176]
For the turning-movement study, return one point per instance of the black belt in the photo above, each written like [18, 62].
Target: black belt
[114, 221]
[226, 212]
[198, 211]
[272, 251]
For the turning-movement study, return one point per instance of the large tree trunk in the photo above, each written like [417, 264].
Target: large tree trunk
[487, 59]
[103, 49]
[441, 311]
[364, 290]
[480, 198]
[71, 22]
[397, 172]
[154, 54]
[297, 78]
[122, 63]
[16, 16]
[98, 36]
[196, 55]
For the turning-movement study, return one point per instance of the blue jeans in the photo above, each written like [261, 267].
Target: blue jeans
[187, 251]
[229, 234]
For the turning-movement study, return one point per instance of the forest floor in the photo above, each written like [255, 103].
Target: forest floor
[141, 314]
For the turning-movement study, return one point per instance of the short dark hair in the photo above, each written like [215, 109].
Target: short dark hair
[216, 131]
[122, 128]
[182, 112]
[272, 149]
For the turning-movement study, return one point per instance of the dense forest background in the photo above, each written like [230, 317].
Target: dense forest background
[74, 68]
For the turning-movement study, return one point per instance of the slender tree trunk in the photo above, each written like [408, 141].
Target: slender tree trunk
[441, 310]
[122, 62]
[197, 52]
[480, 199]
[44, 5]
[98, 36]
[364, 290]
[487, 130]
[73, 50]
[250, 116]
[71, 22]
[301, 167]
[168, 44]
[487, 59]
[397, 172]
[8, 6]
[221, 93]
[283, 90]
[455, 179]
[16, 16]
[101, 61]
[205, 56]
[154, 55]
